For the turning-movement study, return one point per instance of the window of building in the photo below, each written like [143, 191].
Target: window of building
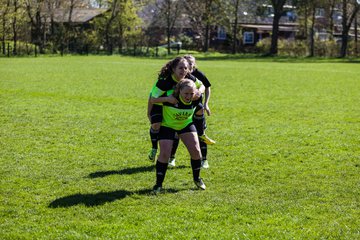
[248, 37]
[221, 34]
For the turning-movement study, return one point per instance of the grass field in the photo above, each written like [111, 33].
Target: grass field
[74, 142]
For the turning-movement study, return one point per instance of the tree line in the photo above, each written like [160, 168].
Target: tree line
[49, 26]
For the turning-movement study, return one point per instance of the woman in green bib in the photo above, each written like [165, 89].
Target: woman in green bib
[178, 119]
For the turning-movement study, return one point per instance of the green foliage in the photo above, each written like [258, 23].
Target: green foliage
[328, 48]
[187, 42]
[23, 48]
[263, 46]
[299, 48]
[74, 140]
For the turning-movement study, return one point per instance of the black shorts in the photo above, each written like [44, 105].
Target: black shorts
[169, 133]
[156, 114]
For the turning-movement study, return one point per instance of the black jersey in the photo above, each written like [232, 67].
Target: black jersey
[201, 76]
[165, 84]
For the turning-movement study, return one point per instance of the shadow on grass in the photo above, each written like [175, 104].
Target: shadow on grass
[127, 171]
[91, 200]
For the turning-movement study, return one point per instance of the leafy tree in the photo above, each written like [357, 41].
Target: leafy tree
[307, 9]
[120, 26]
[34, 11]
[16, 6]
[4, 10]
[167, 13]
[127, 27]
[236, 19]
[236, 11]
[349, 11]
[204, 14]
[278, 6]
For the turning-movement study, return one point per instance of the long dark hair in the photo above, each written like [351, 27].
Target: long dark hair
[183, 84]
[167, 69]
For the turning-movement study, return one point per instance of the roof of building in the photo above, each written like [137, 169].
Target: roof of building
[78, 15]
[268, 27]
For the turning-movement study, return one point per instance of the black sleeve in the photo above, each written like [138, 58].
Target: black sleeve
[164, 84]
[201, 76]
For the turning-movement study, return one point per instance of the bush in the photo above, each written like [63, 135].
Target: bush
[187, 42]
[263, 46]
[327, 48]
[299, 48]
[22, 48]
[292, 48]
[352, 51]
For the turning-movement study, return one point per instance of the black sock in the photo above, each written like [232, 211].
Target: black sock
[160, 172]
[203, 147]
[175, 146]
[199, 121]
[154, 137]
[196, 166]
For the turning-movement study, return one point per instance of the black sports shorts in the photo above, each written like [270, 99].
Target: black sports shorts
[169, 133]
[156, 114]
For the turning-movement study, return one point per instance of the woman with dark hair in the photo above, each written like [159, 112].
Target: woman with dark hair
[204, 139]
[170, 74]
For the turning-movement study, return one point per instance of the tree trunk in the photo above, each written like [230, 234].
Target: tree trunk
[206, 39]
[207, 14]
[312, 34]
[306, 15]
[168, 27]
[4, 18]
[275, 35]
[3, 36]
[344, 33]
[121, 38]
[235, 26]
[14, 26]
[356, 35]
[346, 24]
[108, 42]
[331, 20]
[114, 13]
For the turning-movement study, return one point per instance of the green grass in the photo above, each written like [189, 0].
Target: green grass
[74, 140]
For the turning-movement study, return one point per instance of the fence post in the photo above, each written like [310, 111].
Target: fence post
[8, 50]
[35, 50]
[178, 48]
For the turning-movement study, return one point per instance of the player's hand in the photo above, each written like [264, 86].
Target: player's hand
[196, 96]
[171, 99]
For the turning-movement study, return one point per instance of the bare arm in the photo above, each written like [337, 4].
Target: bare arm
[150, 105]
[206, 101]
[171, 99]
[200, 90]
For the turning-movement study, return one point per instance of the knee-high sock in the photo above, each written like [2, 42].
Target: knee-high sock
[175, 146]
[199, 122]
[203, 148]
[160, 172]
[196, 166]
[154, 137]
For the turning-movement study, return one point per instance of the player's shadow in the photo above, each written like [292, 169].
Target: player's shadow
[91, 200]
[101, 198]
[127, 171]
